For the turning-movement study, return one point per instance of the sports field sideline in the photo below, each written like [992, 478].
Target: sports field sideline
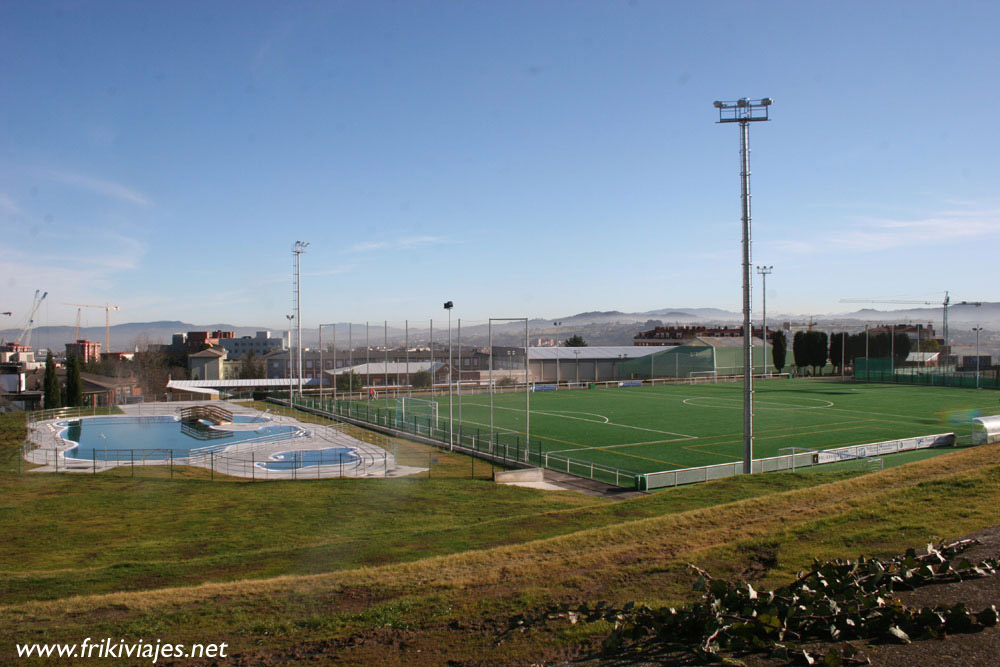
[649, 429]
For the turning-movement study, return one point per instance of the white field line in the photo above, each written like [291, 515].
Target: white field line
[624, 444]
[738, 403]
[610, 423]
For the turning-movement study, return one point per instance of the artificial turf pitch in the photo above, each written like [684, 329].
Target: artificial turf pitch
[650, 429]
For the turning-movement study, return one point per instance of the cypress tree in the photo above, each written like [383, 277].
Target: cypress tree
[779, 347]
[74, 386]
[52, 389]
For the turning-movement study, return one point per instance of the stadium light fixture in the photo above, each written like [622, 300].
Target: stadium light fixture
[745, 111]
[448, 305]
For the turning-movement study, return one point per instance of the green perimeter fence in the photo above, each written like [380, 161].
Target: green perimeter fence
[509, 448]
[882, 370]
[505, 448]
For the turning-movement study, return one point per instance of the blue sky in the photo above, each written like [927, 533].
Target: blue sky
[519, 158]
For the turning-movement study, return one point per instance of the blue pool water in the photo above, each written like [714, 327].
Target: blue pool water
[250, 419]
[302, 458]
[113, 438]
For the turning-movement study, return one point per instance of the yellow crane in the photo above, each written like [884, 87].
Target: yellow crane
[107, 320]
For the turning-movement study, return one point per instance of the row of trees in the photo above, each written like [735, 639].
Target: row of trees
[53, 395]
[814, 348]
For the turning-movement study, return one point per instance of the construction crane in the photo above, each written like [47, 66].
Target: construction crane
[944, 305]
[107, 320]
[25, 337]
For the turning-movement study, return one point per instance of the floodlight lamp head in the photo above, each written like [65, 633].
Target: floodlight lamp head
[718, 105]
[766, 102]
[448, 305]
[743, 102]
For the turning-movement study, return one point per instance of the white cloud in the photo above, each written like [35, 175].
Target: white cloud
[99, 186]
[417, 241]
[403, 243]
[71, 275]
[367, 246]
[7, 205]
[879, 234]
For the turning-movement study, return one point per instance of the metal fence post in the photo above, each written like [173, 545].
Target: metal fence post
[171, 464]
[132, 460]
[253, 467]
[211, 462]
[94, 453]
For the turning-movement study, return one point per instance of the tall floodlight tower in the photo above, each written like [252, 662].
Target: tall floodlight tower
[764, 271]
[297, 249]
[448, 305]
[744, 112]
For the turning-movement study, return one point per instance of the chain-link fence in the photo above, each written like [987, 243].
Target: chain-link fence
[884, 371]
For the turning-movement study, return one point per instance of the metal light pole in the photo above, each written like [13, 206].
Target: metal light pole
[868, 364]
[577, 353]
[557, 356]
[322, 370]
[290, 366]
[892, 351]
[744, 112]
[977, 330]
[448, 305]
[764, 271]
[527, 389]
[460, 380]
[298, 248]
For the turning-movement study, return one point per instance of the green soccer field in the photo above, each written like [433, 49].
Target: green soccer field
[649, 429]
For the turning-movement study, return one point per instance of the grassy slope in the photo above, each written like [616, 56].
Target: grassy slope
[84, 534]
[454, 606]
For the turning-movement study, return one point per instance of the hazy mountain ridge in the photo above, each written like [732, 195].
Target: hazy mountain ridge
[597, 327]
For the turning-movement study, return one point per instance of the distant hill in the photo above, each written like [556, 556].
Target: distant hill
[609, 327]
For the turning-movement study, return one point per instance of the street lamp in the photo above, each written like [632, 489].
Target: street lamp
[764, 271]
[744, 112]
[448, 305]
[290, 378]
[977, 330]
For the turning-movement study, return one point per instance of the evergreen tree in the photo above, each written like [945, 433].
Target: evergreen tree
[818, 347]
[575, 340]
[74, 385]
[901, 348]
[349, 381]
[800, 349]
[53, 399]
[838, 344]
[779, 349]
[422, 379]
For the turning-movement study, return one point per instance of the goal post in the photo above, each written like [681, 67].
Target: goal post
[420, 411]
[695, 377]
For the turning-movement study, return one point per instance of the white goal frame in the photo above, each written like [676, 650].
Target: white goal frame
[427, 408]
[694, 377]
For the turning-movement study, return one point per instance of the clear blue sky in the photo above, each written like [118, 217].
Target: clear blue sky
[520, 158]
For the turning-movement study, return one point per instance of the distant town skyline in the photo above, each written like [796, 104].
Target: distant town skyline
[520, 159]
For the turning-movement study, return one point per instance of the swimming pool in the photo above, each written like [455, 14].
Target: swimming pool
[112, 438]
[302, 458]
